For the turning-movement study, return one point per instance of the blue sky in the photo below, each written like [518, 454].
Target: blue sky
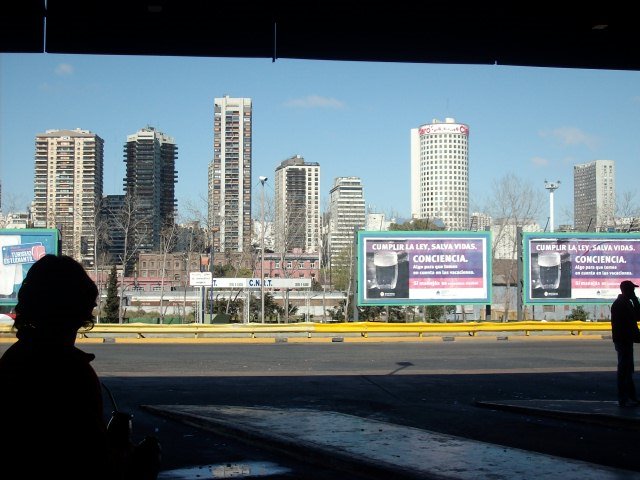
[353, 118]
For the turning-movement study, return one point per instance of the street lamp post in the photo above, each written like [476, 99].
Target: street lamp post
[262, 228]
[552, 187]
[211, 269]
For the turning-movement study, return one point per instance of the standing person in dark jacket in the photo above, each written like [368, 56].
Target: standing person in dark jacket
[52, 422]
[625, 314]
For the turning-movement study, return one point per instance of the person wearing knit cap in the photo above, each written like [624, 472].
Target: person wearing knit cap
[625, 314]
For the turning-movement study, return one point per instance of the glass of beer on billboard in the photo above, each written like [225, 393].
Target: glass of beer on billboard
[386, 264]
[550, 269]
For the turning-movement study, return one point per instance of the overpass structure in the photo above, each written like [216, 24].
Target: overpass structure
[542, 34]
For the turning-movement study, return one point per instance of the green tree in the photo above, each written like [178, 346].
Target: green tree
[342, 270]
[578, 313]
[315, 285]
[397, 314]
[369, 314]
[271, 308]
[112, 303]
[337, 314]
[415, 224]
[231, 307]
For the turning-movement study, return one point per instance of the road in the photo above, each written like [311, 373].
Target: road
[429, 385]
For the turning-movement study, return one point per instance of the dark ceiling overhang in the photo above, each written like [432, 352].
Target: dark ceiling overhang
[525, 34]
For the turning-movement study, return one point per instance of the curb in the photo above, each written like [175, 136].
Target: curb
[284, 445]
[626, 419]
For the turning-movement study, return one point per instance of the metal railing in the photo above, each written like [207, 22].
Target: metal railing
[362, 329]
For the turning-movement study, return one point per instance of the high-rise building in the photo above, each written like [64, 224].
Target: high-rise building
[68, 187]
[479, 221]
[378, 222]
[229, 192]
[297, 206]
[111, 210]
[150, 158]
[594, 196]
[440, 173]
[346, 216]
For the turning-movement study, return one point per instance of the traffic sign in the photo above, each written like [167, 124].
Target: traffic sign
[200, 279]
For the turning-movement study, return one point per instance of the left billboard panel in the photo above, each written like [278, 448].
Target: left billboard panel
[19, 249]
[419, 268]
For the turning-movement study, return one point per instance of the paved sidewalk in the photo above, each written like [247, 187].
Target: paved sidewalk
[383, 450]
[597, 412]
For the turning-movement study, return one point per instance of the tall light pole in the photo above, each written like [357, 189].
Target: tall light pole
[211, 269]
[552, 187]
[262, 229]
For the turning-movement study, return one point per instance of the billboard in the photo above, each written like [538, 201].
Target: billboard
[578, 268]
[19, 249]
[422, 268]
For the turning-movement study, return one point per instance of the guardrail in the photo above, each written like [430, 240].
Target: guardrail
[252, 330]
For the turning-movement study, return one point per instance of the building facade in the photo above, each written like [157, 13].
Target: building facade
[150, 157]
[346, 216]
[297, 206]
[172, 268]
[504, 236]
[594, 196]
[479, 221]
[112, 248]
[68, 187]
[440, 173]
[229, 180]
[14, 220]
[378, 222]
[291, 265]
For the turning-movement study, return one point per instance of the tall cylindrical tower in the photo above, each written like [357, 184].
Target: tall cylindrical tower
[440, 173]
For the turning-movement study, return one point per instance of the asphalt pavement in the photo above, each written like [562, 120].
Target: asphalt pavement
[469, 408]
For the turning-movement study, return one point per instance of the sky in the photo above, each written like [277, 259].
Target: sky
[353, 118]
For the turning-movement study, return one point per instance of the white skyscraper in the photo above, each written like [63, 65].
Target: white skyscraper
[297, 206]
[594, 196]
[346, 216]
[230, 175]
[68, 181]
[440, 173]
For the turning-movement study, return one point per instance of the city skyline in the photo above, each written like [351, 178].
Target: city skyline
[353, 118]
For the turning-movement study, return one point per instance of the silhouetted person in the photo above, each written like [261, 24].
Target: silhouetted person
[625, 314]
[51, 408]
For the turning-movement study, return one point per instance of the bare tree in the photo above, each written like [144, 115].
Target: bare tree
[515, 203]
[566, 213]
[323, 248]
[168, 239]
[238, 263]
[134, 227]
[100, 239]
[627, 211]
[192, 246]
[291, 233]
[13, 203]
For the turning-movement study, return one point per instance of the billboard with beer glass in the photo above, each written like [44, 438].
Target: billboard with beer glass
[423, 268]
[578, 267]
[19, 249]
